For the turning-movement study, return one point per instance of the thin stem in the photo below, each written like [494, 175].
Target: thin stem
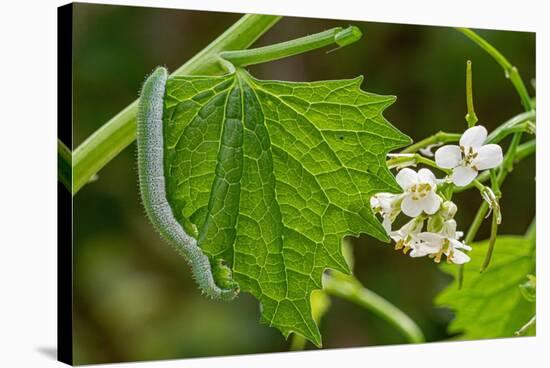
[119, 132]
[411, 159]
[350, 289]
[471, 117]
[508, 161]
[525, 327]
[338, 35]
[478, 219]
[494, 182]
[472, 231]
[499, 133]
[492, 242]
[510, 71]
[64, 165]
[476, 183]
[525, 149]
[437, 138]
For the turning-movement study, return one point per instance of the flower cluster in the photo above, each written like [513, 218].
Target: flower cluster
[432, 228]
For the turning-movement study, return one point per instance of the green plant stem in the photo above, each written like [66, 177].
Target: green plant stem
[408, 159]
[471, 117]
[492, 242]
[119, 132]
[525, 127]
[500, 132]
[525, 327]
[348, 288]
[478, 219]
[508, 161]
[494, 183]
[64, 165]
[510, 71]
[437, 138]
[241, 58]
[470, 235]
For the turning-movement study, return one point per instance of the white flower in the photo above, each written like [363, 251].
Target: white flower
[445, 242]
[419, 192]
[405, 238]
[388, 206]
[470, 157]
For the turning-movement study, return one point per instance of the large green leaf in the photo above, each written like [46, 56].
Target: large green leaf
[490, 304]
[273, 174]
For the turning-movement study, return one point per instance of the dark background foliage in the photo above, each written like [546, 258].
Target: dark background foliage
[134, 297]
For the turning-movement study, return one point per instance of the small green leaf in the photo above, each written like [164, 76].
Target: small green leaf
[490, 304]
[273, 175]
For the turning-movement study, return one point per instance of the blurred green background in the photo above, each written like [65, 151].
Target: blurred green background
[134, 298]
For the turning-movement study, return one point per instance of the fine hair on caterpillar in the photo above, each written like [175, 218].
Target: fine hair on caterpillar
[152, 186]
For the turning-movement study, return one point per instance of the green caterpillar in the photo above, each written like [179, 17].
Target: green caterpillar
[150, 152]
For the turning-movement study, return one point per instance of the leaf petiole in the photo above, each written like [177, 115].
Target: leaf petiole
[339, 36]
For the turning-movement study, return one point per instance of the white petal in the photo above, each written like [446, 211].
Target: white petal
[397, 235]
[431, 238]
[449, 229]
[473, 137]
[406, 178]
[459, 245]
[460, 257]
[488, 156]
[448, 157]
[417, 253]
[431, 203]
[427, 176]
[423, 249]
[386, 223]
[411, 207]
[463, 175]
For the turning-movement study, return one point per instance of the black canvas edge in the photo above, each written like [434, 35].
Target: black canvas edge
[64, 198]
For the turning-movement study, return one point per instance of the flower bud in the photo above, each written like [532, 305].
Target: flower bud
[435, 223]
[448, 210]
